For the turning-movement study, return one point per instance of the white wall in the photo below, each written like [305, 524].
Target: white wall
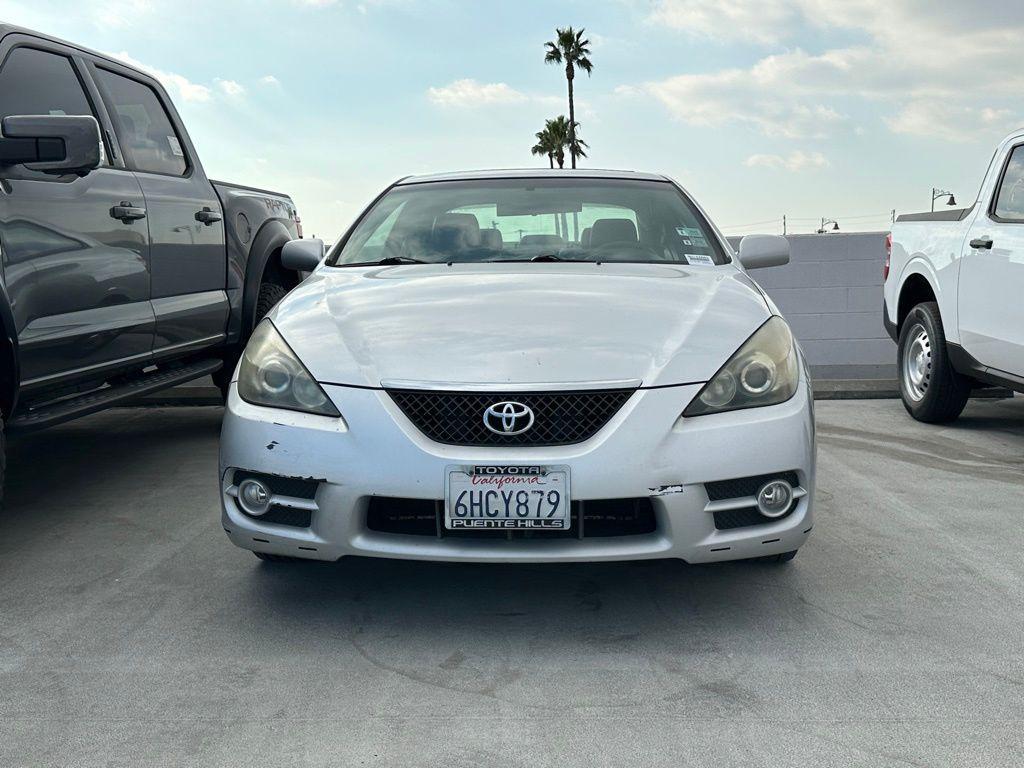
[831, 294]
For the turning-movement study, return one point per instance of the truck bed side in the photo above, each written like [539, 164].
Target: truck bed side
[926, 251]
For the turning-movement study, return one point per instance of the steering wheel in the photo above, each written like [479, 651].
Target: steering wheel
[623, 247]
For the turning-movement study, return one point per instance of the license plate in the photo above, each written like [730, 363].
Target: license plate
[508, 497]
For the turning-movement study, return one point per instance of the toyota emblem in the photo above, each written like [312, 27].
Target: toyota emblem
[508, 418]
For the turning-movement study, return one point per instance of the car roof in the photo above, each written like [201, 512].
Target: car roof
[533, 173]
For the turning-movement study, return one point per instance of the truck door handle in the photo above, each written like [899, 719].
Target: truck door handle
[982, 243]
[208, 216]
[127, 213]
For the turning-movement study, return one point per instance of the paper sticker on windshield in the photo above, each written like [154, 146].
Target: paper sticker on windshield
[692, 236]
[175, 146]
[699, 258]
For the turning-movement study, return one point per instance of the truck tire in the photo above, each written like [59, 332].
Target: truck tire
[269, 295]
[932, 391]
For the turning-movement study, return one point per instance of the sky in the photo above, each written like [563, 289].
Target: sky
[844, 109]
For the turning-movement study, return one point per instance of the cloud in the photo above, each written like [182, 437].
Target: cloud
[472, 93]
[729, 19]
[753, 97]
[950, 122]
[230, 87]
[179, 85]
[914, 59]
[269, 80]
[123, 14]
[795, 161]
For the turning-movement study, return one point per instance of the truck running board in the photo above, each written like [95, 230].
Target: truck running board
[71, 408]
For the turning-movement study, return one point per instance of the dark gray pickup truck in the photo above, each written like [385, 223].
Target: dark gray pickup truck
[124, 270]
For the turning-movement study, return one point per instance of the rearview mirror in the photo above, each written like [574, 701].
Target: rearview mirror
[51, 143]
[758, 251]
[302, 255]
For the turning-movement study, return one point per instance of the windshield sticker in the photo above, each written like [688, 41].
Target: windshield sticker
[699, 258]
[175, 146]
[692, 236]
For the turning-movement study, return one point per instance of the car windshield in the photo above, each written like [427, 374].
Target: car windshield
[495, 220]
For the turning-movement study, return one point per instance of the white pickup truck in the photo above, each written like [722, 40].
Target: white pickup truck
[954, 293]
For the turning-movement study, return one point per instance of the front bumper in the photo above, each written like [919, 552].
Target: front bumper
[646, 450]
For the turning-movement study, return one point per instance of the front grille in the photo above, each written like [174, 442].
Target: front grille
[727, 519]
[601, 518]
[560, 418]
[296, 518]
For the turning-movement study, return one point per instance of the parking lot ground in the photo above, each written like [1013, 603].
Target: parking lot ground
[133, 634]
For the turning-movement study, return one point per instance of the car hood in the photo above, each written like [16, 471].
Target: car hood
[519, 324]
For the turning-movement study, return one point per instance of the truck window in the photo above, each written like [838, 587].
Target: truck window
[147, 135]
[1010, 200]
[35, 82]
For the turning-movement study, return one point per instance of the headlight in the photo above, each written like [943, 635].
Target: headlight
[271, 375]
[764, 371]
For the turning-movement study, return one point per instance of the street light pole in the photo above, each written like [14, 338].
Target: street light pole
[937, 193]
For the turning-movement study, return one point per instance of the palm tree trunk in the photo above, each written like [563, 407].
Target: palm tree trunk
[551, 160]
[569, 73]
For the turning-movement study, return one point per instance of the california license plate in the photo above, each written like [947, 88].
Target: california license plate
[507, 497]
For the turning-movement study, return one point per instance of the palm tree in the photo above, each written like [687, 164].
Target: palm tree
[570, 48]
[545, 146]
[558, 131]
[576, 144]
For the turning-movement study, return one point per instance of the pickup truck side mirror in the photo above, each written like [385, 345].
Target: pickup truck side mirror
[51, 143]
[758, 251]
[302, 255]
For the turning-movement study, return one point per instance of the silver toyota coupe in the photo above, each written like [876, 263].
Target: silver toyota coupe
[523, 366]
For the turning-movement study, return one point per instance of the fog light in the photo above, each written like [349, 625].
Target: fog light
[253, 497]
[774, 498]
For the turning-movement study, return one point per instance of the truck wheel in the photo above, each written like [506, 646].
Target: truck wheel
[269, 295]
[931, 390]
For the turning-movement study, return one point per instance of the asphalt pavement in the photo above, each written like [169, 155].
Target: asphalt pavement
[133, 634]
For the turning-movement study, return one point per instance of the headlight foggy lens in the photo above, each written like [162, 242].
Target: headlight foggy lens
[275, 377]
[270, 374]
[764, 371]
[308, 393]
[758, 374]
[720, 391]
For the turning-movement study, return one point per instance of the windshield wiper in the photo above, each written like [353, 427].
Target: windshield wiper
[388, 261]
[554, 257]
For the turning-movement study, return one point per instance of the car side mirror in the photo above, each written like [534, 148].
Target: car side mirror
[758, 251]
[51, 143]
[302, 255]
